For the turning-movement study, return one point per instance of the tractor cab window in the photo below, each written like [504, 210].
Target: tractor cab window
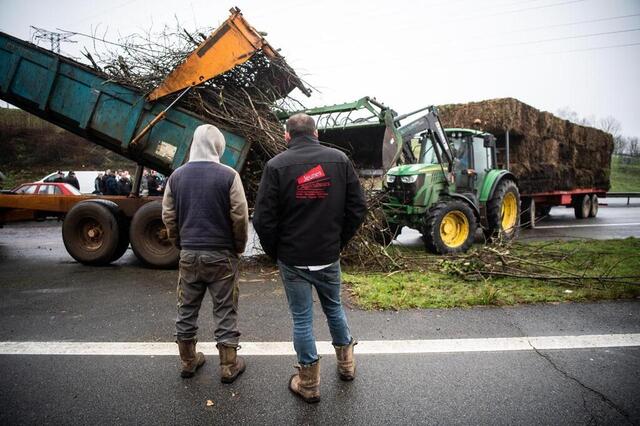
[481, 155]
[428, 154]
[462, 152]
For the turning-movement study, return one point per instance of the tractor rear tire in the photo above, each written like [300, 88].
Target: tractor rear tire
[148, 237]
[449, 228]
[91, 233]
[503, 212]
[582, 206]
[528, 213]
[593, 212]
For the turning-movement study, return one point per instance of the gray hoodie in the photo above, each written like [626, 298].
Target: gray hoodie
[201, 181]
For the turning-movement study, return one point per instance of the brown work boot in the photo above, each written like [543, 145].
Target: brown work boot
[231, 365]
[346, 360]
[191, 360]
[306, 383]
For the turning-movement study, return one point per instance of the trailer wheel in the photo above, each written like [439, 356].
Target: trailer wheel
[449, 227]
[149, 240]
[582, 206]
[528, 213]
[503, 211]
[123, 225]
[593, 212]
[91, 233]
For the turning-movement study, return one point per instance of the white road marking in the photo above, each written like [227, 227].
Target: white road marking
[593, 225]
[324, 348]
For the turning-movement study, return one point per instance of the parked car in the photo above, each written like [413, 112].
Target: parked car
[50, 188]
[86, 179]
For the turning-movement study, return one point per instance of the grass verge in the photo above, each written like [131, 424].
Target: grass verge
[625, 174]
[438, 285]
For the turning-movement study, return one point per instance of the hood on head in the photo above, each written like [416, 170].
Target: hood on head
[207, 145]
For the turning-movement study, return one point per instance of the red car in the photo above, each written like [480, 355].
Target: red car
[49, 188]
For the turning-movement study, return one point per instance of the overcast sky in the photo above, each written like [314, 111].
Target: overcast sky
[581, 54]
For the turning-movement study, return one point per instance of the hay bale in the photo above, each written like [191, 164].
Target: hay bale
[547, 153]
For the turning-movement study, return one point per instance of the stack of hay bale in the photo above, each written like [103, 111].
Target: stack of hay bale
[546, 152]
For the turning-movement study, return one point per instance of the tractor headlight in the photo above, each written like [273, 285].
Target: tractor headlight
[391, 178]
[409, 179]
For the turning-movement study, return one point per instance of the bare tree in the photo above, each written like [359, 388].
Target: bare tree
[569, 114]
[633, 146]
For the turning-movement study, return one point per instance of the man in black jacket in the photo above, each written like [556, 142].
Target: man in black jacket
[309, 205]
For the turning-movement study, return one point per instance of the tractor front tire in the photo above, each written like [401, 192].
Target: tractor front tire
[503, 211]
[449, 228]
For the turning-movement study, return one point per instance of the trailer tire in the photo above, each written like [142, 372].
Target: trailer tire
[123, 225]
[449, 228]
[582, 206]
[503, 212]
[148, 238]
[528, 216]
[91, 233]
[593, 211]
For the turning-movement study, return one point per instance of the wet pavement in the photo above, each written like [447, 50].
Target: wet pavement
[47, 297]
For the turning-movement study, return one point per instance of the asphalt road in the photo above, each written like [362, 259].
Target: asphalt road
[47, 297]
[613, 221]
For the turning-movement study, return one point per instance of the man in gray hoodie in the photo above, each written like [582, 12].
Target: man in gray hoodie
[205, 212]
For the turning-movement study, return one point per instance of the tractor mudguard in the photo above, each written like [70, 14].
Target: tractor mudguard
[491, 181]
[469, 201]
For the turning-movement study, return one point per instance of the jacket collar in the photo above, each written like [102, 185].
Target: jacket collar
[301, 141]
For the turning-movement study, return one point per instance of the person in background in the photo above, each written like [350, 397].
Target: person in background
[103, 185]
[309, 205]
[72, 180]
[59, 177]
[153, 184]
[97, 185]
[111, 184]
[205, 212]
[124, 184]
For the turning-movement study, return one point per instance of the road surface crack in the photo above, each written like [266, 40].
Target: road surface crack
[568, 376]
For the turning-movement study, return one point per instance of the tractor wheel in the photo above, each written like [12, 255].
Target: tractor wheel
[582, 206]
[148, 237]
[385, 236]
[593, 212]
[503, 211]
[449, 227]
[91, 233]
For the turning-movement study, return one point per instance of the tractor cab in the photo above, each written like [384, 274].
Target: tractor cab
[474, 156]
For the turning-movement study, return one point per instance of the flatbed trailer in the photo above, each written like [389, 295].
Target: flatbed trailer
[584, 202]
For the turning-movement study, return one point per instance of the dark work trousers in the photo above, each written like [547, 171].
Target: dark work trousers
[216, 271]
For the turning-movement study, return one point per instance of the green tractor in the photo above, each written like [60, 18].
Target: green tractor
[452, 188]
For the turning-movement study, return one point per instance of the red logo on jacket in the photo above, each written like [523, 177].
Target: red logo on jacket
[313, 184]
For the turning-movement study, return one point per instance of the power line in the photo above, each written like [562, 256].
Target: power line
[521, 43]
[53, 37]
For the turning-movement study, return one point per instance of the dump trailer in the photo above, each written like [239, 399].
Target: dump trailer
[556, 162]
[142, 127]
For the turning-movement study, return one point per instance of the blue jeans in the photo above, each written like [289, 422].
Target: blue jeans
[297, 285]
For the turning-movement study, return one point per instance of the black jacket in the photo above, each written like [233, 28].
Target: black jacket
[309, 204]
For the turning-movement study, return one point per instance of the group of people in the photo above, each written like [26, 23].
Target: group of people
[309, 205]
[119, 182]
[113, 182]
[70, 178]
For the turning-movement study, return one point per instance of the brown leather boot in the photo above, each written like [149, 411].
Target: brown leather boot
[231, 365]
[346, 361]
[191, 360]
[306, 383]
